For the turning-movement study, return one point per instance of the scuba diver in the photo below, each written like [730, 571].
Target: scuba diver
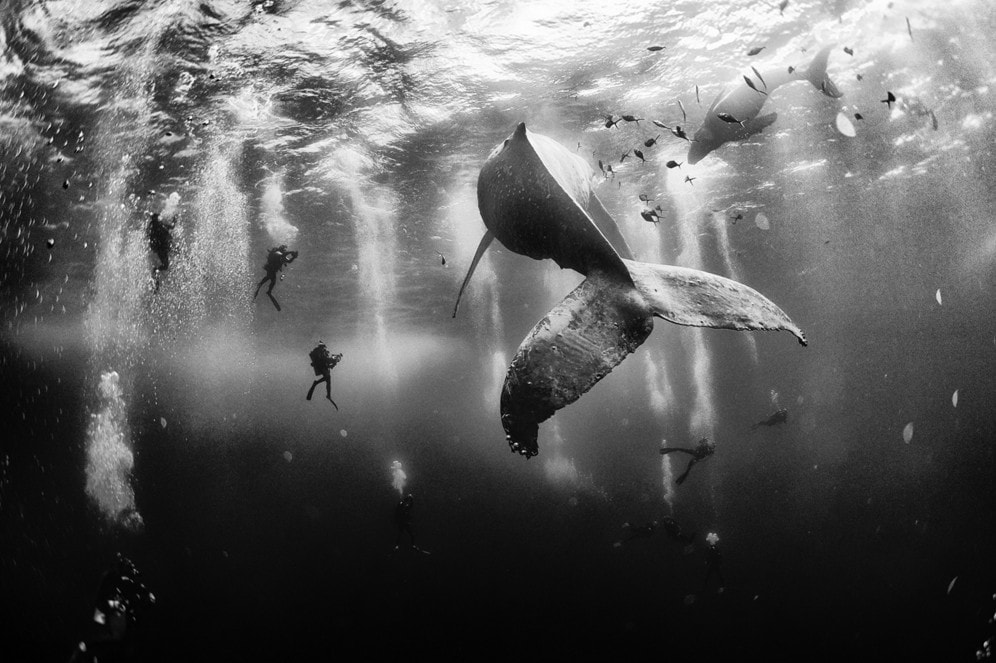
[673, 530]
[702, 450]
[160, 241]
[276, 258]
[323, 363]
[403, 520]
[779, 417]
[122, 601]
[713, 559]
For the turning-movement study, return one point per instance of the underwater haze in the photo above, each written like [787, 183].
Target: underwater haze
[159, 411]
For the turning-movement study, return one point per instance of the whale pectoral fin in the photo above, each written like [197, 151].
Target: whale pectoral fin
[605, 223]
[481, 248]
[691, 297]
[577, 344]
[760, 123]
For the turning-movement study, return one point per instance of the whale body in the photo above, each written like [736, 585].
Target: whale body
[744, 104]
[535, 197]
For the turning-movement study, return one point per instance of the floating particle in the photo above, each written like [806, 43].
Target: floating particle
[937, 296]
[50, 242]
[65, 184]
[343, 432]
[908, 433]
[954, 398]
[712, 538]
[761, 221]
[288, 456]
[844, 126]
[952, 583]
[162, 421]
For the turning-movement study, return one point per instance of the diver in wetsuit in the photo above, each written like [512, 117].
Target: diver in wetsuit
[323, 363]
[779, 417]
[276, 258]
[713, 559]
[160, 241]
[702, 450]
[403, 520]
[122, 601]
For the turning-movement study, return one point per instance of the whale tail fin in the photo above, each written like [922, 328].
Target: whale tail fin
[695, 298]
[605, 319]
[817, 74]
[578, 343]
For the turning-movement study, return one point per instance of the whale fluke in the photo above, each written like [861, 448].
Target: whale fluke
[535, 197]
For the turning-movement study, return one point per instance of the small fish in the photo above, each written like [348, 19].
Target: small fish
[442, 258]
[639, 155]
[684, 117]
[755, 50]
[738, 217]
[649, 215]
[859, 116]
[65, 184]
[791, 69]
[609, 122]
[625, 154]
[759, 77]
[673, 164]
[654, 49]
[50, 243]
[650, 142]
[679, 132]
[782, 5]
[726, 117]
[909, 28]
[662, 125]
[689, 178]
[849, 51]
[644, 198]
[933, 120]
[751, 85]
[630, 118]
[888, 100]
[608, 169]
[860, 77]
[601, 166]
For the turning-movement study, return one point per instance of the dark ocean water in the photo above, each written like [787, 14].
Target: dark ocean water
[169, 423]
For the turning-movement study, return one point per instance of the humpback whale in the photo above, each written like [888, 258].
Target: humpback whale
[535, 196]
[744, 103]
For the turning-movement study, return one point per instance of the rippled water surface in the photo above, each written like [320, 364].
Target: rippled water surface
[164, 416]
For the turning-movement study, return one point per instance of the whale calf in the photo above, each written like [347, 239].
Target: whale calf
[744, 103]
[535, 197]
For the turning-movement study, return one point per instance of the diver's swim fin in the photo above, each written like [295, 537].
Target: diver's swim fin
[481, 248]
[333, 404]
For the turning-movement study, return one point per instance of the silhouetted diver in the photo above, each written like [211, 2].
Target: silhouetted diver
[323, 363]
[403, 520]
[779, 417]
[276, 258]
